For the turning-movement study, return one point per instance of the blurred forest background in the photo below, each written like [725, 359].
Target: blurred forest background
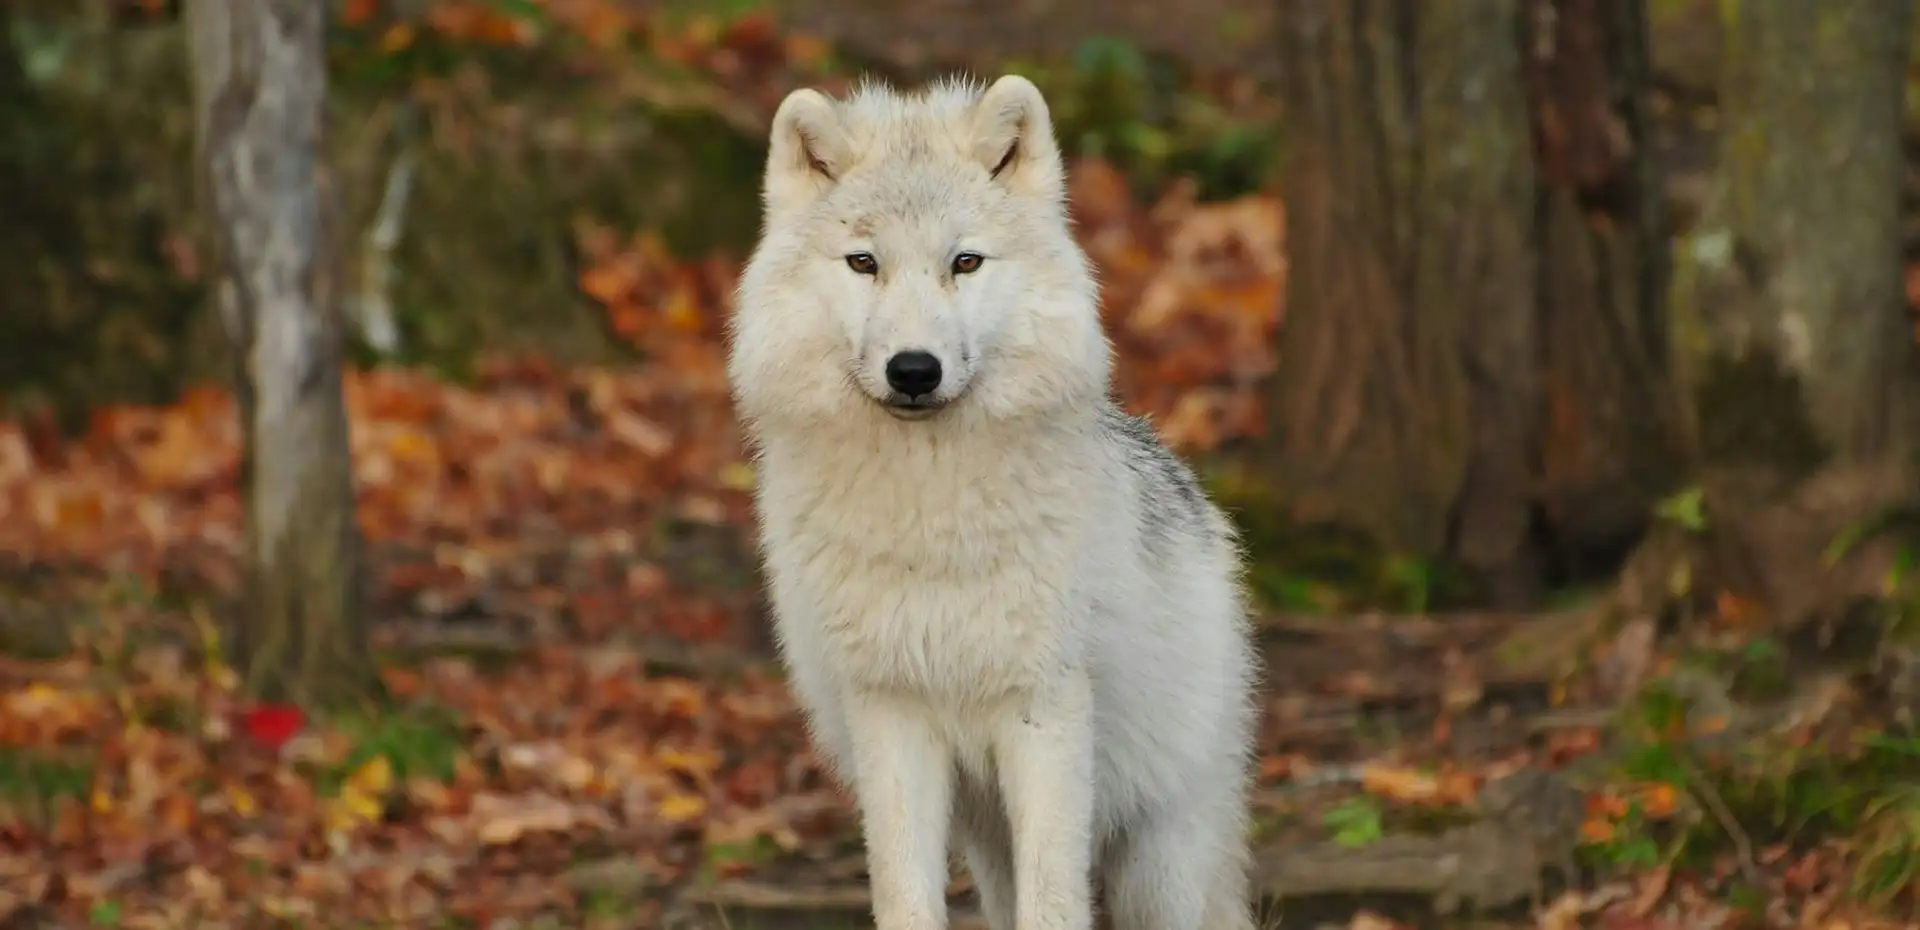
[1555, 356]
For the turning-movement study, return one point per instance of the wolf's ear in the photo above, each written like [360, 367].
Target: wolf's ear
[1013, 138]
[807, 150]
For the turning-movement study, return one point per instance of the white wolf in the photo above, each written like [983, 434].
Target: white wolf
[1011, 614]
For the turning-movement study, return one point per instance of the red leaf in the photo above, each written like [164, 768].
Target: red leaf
[271, 725]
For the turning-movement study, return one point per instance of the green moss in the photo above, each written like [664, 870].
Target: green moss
[1115, 101]
[1664, 12]
[1752, 412]
[1321, 567]
[94, 312]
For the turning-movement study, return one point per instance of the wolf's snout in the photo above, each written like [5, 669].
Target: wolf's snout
[913, 373]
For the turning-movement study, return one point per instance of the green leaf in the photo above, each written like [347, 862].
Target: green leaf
[1687, 510]
[104, 914]
[1637, 850]
[1355, 822]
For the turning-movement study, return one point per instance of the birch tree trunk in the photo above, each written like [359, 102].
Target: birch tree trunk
[259, 94]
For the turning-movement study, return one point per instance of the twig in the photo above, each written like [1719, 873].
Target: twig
[1578, 718]
[1742, 844]
[669, 94]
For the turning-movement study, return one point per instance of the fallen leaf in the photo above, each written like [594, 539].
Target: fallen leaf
[272, 725]
[1404, 785]
[1368, 920]
[503, 819]
[681, 808]
[1652, 887]
[1563, 914]
[1659, 801]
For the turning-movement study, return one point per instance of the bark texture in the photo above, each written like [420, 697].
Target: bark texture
[1789, 310]
[1612, 440]
[1789, 303]
[260, 90]
[1471, 366]
[1407, 185]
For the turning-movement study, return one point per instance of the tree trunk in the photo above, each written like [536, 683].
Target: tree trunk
[1612, 440]
[1442, 273]
[1788, 299]
[260, 89]
[1405, 121]
[1789, 305]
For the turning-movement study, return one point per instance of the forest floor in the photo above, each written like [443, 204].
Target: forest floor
[583, 724]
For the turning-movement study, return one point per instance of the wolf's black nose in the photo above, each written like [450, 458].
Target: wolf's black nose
[913, 373]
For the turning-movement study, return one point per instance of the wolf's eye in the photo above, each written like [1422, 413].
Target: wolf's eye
[863, 263]
[967, 262]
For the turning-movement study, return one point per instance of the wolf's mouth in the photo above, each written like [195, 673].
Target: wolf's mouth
[912, 408]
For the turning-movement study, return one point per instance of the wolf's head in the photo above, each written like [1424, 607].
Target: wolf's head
[916, 259]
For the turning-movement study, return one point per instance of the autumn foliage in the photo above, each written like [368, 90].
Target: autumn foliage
[565, 606]
[550, 508]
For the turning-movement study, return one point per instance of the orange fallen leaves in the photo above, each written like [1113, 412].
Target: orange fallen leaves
[1607, 810]
[358, 12]
[740, 54]
[555, 500]
[42, 712]
[574, 746]
[1191, 293]
[480, 23]
[1659, 801]
[578, 453]
[1411, 786]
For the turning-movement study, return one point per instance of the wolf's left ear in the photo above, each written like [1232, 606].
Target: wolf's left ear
[806, 152]
[1013, 138]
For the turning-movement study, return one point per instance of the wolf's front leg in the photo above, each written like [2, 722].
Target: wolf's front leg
[1045, 755]
[903, 781]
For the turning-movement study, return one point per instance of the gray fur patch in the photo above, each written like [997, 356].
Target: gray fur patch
[1171, 502]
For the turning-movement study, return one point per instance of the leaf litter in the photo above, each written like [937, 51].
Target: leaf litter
[550, 547]
[554, 551]
[554, 507]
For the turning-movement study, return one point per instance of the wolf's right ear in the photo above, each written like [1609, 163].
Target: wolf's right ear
[1013, 138]
[807, 150]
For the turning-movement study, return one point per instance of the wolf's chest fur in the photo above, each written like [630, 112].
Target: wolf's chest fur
[916, 569]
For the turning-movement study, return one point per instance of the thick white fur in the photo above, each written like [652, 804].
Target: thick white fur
[1016, 622]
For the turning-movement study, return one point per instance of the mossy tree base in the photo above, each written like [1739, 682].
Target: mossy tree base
[1788, 298]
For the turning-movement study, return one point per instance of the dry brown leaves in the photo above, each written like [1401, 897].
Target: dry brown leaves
[192, 812]
[740, 62]
[181, 804]
[1191, 294]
